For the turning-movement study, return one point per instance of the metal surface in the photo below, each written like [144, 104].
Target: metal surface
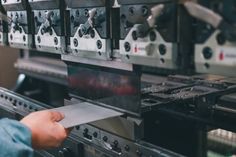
[52, 70]
[90, 32]
[115, 64]
[115, 88]
[86, 140]
[215, 43]
[148, 34]
[49, 25]
[83, 113]
[19, 24]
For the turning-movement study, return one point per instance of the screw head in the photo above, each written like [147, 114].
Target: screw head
[24, 38]
[99, 44]
[127, 46]
[153, 36]
[127, 148]
[162, 49]
[207, 53]
[105, 138]
[220, 38]
[75, 41]
[39, 39]
[134, 35]
[95, 134]
[92, 33]
[55, 41]
[144, 11]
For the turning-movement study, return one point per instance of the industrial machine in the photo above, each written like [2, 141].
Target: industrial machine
[148, 33]
[90, 28]
[49, 32]
[20, 29]
[151, 61]
[3, 28]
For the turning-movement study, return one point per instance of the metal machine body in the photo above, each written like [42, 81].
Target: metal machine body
[149, 33]
[90, 29]
[49, 25]
[3, 27]
[140, 58]
[20, 28]
[214, 48]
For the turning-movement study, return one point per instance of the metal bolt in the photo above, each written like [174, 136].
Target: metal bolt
[80, 33]
[127, 148]
[138, 152]
[99, 44]
[39, 39]
[131, 10]
[77, 13]
[86, 131]
[162, 60]
[207, 66]
[72, 19]
[105, 138]
[134, 35]
[162, 49]
[24, 38]
[95, 134]
[20, 30]
[153, 36]
[42, 31]
[115, 143]
[127, 46]
[55, 40]
[144, 11]
[92, 33]
[220, 38]
[11, 37]
[39, 14]
[86, 13]
[50, 31]
[207, 52]
[75, 42]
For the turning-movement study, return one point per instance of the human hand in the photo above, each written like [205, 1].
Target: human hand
[46, 132]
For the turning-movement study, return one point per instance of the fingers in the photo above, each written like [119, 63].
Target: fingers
[62, 133]
[68, 130]
[56, 116]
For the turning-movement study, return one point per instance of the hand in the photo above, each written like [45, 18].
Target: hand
[46, 132]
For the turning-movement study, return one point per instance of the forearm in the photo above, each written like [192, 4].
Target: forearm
[15, 139]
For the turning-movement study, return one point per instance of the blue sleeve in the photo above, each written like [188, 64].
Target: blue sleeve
[15, 139]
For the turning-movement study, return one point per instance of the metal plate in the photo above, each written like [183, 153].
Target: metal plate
[115, 88]
[83, 113]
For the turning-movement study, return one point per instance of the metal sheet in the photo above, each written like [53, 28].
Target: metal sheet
[115, 88]
[83, 113]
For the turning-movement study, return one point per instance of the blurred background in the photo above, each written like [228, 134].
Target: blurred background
[8, 74]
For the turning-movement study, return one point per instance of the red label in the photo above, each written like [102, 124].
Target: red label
[135, 49]
[221, 56]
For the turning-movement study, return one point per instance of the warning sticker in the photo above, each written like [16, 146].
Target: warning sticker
[140, 49]
[226, 55]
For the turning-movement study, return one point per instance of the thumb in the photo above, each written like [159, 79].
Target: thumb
[57, 116]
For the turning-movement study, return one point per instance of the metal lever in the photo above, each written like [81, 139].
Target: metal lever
[204, 14]
[84, 28]
[15, 23]
[5, 18]
[150, 23]
[48, 23]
